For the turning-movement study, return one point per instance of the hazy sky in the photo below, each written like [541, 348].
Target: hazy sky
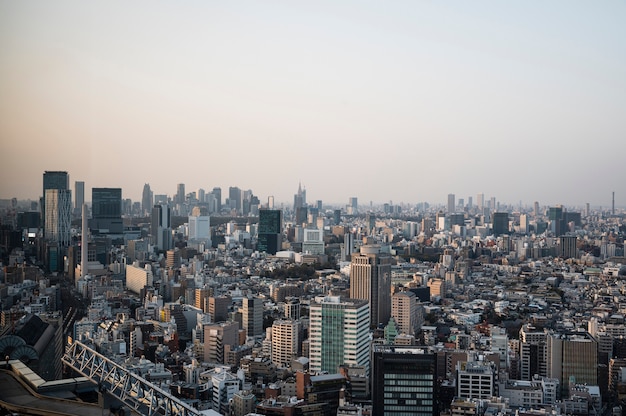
[403, 101]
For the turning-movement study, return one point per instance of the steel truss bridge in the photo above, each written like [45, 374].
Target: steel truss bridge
[131, 389]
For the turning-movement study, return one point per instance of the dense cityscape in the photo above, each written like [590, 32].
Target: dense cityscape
[216, 302]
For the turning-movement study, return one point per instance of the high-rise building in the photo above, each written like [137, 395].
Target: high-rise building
[58, 223]
[500, 223]
[299, 200]
[252, 316]
[161, 229]
[218, 308]
[270, 231]
[404, 381]
[480, 202]
[106, 211]
[217, 192]
[370, 279]
[353, 206]
[234, 198]
[567, 247]
[201, 195]
[285, 341]
[557, 222]
[451, 204]
[180, 194]
[573, 357]
[138, 277]
[146, 199]
[338, 333]
[406, 313]
[79, 196]
[219, 338]
[58, 216]
[52, 180]
[533, 352]
[199, 229]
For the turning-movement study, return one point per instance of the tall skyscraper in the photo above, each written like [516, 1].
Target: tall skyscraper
[252, 316]
[201, 195]
[58, 216]
[299, 198]
[161, 228]
[270, 231]
[500, 223]
[146, 199]
[58, 223]
[370, 279]
[79, 196]
[234, 198]
[557, 222]
[180, 194]
[353, 206]
[217, 192]
[338, 333]
[480, 202]
[451, 204]
[106, 211]
[52, 180]
[404, 381]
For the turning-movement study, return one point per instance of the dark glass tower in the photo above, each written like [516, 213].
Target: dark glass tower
[270, 231]
[106, 210]
[52, 180]
[404, 381]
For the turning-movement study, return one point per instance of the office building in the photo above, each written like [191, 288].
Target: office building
[533, 352]
[217, 193]
[53, 180]
[106, 211]
[285, 341]
[572, 357]
[567, 248]
[58, 223]
[219, 338]
[138, 277]
[147, 199]
[234, 198]
[338, 333]
[270, 231]
[370, 279]
[180, 194]
[404, 381]
[160, 229]
[556, 220]
[353, 206]
[79, 197]
[252, 316]
[451, 204]
[500, 223]
[218, 308]
[480, 202]
[476, 379]
[199, 229]
[405, 311]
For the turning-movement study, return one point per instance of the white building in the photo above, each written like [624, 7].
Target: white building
[338, 333]
[138, 277]
[285, 342]
[476, 379]
[313, 241]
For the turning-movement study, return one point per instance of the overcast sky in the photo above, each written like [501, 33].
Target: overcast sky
[402, 101]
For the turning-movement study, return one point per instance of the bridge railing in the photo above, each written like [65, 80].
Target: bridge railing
[128, 387]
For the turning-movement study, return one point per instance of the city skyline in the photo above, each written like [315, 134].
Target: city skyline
[403, 102]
